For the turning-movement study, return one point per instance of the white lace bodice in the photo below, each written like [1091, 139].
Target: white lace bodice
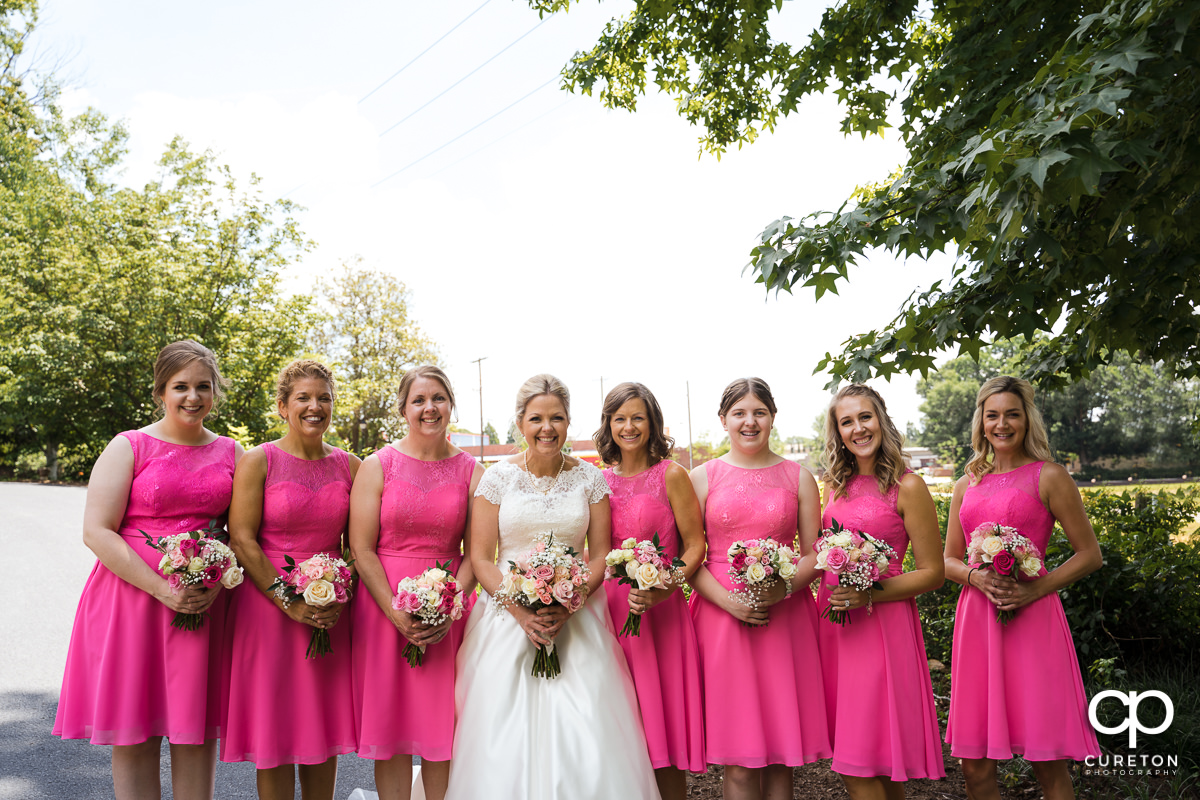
[525, 512]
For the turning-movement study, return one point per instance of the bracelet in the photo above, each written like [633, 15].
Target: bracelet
[970, 572]
[787, 588]
[870, 601]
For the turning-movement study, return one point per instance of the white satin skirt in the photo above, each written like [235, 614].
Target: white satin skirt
[577, 736]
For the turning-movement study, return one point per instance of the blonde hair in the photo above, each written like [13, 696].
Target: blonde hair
[539, 385]
[178, 355]
[840, 463]
[410, 377]
[298, 370]
[1037, 442]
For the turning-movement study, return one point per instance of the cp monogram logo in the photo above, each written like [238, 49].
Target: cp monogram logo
[1131, 722]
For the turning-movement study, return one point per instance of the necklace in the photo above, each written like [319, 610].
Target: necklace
[533, 481]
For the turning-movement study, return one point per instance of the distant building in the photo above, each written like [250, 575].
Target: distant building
[584, 449]
[464, 439]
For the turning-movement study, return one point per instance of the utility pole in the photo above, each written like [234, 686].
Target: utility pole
[479, 362]
[688, 387]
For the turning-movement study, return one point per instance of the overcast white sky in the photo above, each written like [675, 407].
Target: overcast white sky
[558, 237]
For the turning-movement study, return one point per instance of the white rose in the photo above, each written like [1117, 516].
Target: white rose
[629, 543]
[756, 573]
[319, 593]
[164, 563]
[196, 565]
[992, 545]
[1030, 565]
[822, 558]
[631, 569]
[787, 570]
[529, 587]
[647, 576]
[614, 557]
[437, 574]
[232, 577]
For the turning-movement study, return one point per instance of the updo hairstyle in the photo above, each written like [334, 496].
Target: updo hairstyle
[539, 385]
[426, 371]
[298, 370]
[742, 387]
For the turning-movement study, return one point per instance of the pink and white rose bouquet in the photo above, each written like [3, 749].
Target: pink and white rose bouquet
[1005, 551]
[643, 564]
[433, 597]
[319, 581]
[758, 564]
[551, 573]
[857, 558]
[196, 558]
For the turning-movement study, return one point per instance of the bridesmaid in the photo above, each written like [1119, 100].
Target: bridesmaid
[652, 494]
[764, 706]
[287, 713]
[126, 664]
[877, 687]
[409, 511]
[1016, 688]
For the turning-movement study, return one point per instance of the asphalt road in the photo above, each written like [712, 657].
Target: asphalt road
[48, 565]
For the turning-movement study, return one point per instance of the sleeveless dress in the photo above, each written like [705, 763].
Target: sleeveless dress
[283, 708]
[664, 660]
[763, 697]
[1015, 688]
[877, 686]
[576, 736]
[422, 518]
[130, 675]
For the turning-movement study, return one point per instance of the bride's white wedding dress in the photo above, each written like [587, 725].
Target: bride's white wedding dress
[576, 736]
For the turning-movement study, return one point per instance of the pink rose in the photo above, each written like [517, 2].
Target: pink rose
[447, 605]
[410, 603]
[340, 594]
[739, 562]
[545, 597]
[563, 591]
[187, 547]
[575, 603]
[836, 559]
[1003, 562]
[643, 558]
[302, 580]
[456, 613]
[344, 574]
[578, 579]
[212, 576]
[175, 581]
[313, 569]
[179, 560]
[544, 573]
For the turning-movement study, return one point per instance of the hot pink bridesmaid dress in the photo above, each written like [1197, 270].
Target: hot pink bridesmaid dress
[664, 659]
[877, 686]
[283, 708]
[130, 675]
[1016, 688]
[764, 702]
[422, 518]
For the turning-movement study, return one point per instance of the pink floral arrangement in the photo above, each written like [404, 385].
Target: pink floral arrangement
[433, 597]
[1005, 551]
[857, 558]
[320, 581]
[552, 573]
[196, 558]
[643, 564]
[758, 564]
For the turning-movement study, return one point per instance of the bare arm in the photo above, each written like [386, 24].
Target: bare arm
[689, 521]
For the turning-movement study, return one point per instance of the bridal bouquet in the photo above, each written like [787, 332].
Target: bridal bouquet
[320, 581]
[552, 573]
[857, 558]
[758, 564]
[1005, 551]
[643, 564]
[196, 558]
[434, 597]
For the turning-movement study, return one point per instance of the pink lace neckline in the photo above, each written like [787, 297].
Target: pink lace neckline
[421, 460]
[176, 444]
[731, 465]
[275, 446]
[646, 471]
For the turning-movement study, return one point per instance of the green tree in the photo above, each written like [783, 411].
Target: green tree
[1052, 150]
[370, 341]
[96, 278]
[490, 432]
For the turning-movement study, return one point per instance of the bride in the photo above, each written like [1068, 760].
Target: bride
[577, 735]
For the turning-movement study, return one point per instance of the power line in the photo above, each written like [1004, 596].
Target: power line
[464, 133]
[423, 52]
[464, 77]
[502, 138]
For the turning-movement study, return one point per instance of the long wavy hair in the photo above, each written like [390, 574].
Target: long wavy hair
[659, 444]
[1037, 442]
[841, 465]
